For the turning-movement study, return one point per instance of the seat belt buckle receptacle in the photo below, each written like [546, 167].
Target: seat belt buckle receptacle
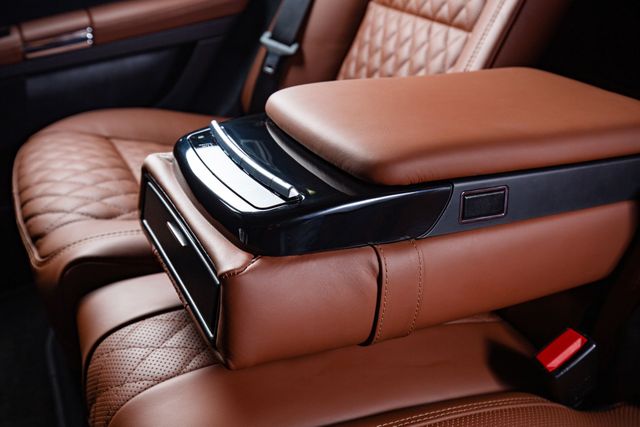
[570, 366]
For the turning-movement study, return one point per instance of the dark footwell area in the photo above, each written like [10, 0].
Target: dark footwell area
[25, 390]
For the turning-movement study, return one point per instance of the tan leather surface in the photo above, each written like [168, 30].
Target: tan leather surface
[503, 410]
[75, 190]
[434, 364]
[322, 302]
[400, 38]
[531, 32]
[422, 283]
[419, 129]
[307, 296]
[111, 307]
[410, 38]
[11, 47]
[402, 282]
[496, 267]
[486, 38]
[324, 42]
[124, 19]
[55, 25]
[139, 356]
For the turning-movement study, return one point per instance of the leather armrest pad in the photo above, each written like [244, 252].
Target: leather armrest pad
[399, 131]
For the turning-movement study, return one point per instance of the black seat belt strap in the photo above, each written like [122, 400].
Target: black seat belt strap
[280, 42]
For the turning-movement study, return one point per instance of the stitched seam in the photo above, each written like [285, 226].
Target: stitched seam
[485, 34]
[419, 302]
[469, 406]
[467, 412]
[386, 291]
[86, 240]
[473, 405]
[112, 410]
[107, 334]
[115, 148]
[240, 270]
[67, 213]
[90, 199]
[144, 359]
[74, 134]
[428, 18]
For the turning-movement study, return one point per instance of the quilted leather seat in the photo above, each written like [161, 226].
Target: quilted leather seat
[146, 365]
[75, 182]
[75, 187]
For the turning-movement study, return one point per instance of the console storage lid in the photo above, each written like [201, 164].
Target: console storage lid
[399, 131]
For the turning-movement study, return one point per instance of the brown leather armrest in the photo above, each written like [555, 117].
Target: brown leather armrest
[400, 131]
[280, 307]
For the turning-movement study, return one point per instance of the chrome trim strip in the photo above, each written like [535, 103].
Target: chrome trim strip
[61, 43]
[259, 173]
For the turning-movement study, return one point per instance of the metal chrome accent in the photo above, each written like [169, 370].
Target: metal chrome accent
[237, 179]
[259, 173]
[58, 44]
[182, 240]
[276, 48]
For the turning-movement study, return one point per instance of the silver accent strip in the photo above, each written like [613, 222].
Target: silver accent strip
[277, 47]
[177, 234]
[241, 158]
[236, 179]
[79, 39]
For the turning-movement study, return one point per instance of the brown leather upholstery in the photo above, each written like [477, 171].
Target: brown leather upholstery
[503, 410]
[407, 38]
[11, 47]
[457, 125]
[55, 25]
[412, 38]
[150, 370]
[423, 283]
[75, 188]
[121, 20]
[80, 222]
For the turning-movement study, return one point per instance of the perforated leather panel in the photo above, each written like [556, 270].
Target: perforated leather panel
[512, 409]
[140, 356]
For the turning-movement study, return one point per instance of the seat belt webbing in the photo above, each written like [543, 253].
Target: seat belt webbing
[280, 42]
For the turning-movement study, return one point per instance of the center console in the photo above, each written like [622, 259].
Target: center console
[357, 211]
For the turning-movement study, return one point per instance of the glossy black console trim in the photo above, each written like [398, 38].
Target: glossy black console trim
[548, 191]
[323, 217]
[336, 210]
[208, 323]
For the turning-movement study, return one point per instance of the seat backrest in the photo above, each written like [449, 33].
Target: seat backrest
[345, 39]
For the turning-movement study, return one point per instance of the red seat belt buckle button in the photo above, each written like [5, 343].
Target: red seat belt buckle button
[569, 363]
[561, 349]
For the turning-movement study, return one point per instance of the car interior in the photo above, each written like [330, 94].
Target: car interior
[332, 212]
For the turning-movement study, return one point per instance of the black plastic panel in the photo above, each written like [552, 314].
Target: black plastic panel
[549, 191]
[334, 210]
[187, 262]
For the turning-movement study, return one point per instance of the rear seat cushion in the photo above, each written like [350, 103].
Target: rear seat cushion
[503, 409]
[75, 189]
[157, 370]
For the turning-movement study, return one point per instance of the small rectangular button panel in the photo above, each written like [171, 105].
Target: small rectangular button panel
[483, 204]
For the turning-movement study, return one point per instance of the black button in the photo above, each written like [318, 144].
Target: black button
[483, 204]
